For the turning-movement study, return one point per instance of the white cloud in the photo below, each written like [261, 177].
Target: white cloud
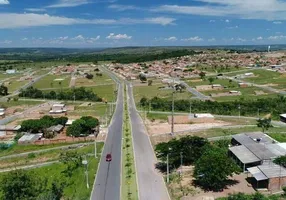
[227, 21]
[173, 38]
[232, 27]
[112, 36]
[24, 39]
[15, 20]
[211, 40]
[79, 37]
[6, 42]
[277, 37]
[4, 2]
[241, 40]
[35, 9]
[245, 9]
[194, 39]
[259, 38]
[68, 3]
[63, 38]
[119, 7]
[212, 21]
[277, 22]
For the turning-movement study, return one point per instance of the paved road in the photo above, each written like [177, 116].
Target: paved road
[108, 178]
[199, 95]
[151, 184]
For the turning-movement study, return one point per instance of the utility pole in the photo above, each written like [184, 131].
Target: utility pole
[149, 106]
[106, 116]
[181, 155]
[95, 146]
[173, 105]
[168, 176]
[258, 113]
[239, 111]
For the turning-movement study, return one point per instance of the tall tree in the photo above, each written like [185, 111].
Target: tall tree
[211, 80]
[264, 124]
[142, 78]
[213, 169]
[3, 90]
[21, 185]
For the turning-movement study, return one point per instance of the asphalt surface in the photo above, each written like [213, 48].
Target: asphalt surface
[108, 177]
[199, 95]
[150, 182]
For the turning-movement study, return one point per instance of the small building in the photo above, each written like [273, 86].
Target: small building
[2, 112]
[243, 85]
[9, 128]
[69, 122]
[283, 118]
[10, 71]
[29, 138]
[217, 86]
[58, 109]
[269, 176]
[55, 129]
[249, 74]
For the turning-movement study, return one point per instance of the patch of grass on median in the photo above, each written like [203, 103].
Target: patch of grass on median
[129, 185]
[280, 137]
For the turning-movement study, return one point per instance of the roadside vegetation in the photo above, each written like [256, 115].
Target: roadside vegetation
[64, 180]
[129, 183]
[274, 106]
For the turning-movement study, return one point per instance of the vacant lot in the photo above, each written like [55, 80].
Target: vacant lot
[50, 81]
[97, 80]
[105, 91]
[157, 90]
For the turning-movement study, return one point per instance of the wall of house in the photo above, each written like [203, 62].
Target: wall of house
[275, 183]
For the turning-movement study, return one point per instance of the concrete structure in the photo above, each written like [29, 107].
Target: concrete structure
[29, 138]
[269, 175]
[58, 109]
[10, 71]
[55, 129]
[2, 112]
[283, 118]
[69, 122]
[255, 153]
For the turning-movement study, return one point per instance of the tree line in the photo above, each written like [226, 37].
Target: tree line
[275, 106]
[81, 94]
[212, 164]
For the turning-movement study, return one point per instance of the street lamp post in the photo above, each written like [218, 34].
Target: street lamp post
[85, 163]
[168, 169]
[181, 155]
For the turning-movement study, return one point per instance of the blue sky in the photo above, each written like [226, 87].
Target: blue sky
[113, 23]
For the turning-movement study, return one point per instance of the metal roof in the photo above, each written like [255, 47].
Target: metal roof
[243, 154]
[272, 170]
[257, 173]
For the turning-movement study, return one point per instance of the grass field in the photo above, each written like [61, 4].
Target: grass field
[76, 189]
[97, 80]
[97, 110]
[16, 149]
[105, 91]
[49, 82]
[155, 91]
[16, 85]
[19, 103]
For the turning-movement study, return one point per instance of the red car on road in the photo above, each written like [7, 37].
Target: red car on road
[108, 157]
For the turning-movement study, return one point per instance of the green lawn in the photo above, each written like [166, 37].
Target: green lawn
[156, 91]
[98, 110]
[7, 76]
[19, 103]
[97, 80]
[105, 91]
[50, 81]
[15, 85]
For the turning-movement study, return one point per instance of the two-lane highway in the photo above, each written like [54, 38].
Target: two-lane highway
[108, 177]
[150, 182]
